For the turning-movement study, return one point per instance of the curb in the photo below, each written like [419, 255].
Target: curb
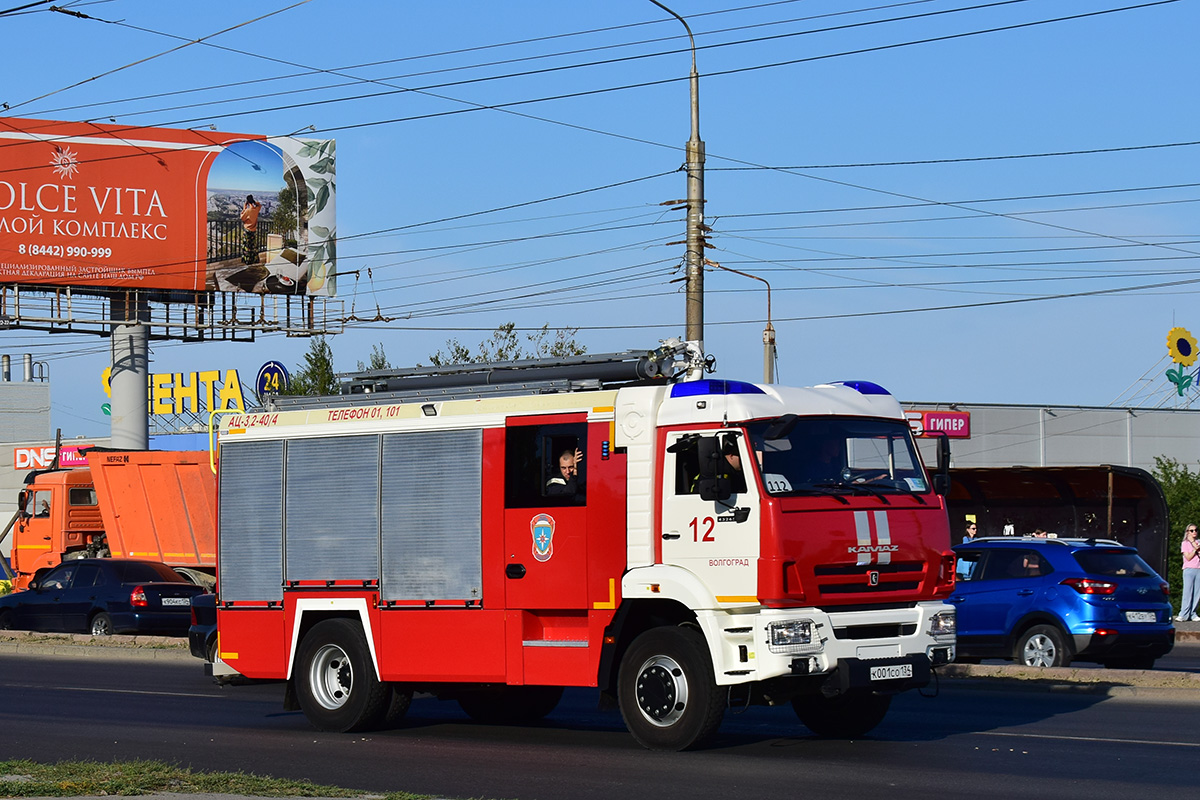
[1078, 679]
[79, 645]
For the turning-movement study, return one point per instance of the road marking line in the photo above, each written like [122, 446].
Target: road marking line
[1088, 739]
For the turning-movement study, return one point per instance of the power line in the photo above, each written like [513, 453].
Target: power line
[356, 80]
[13, 106]
[969, 159]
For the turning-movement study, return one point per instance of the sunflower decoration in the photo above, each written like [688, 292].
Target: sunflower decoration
[1181, 346]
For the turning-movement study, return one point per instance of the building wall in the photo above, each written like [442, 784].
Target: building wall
[1056, 436]
[24, 411]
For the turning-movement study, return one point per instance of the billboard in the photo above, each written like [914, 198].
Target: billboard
[110, 206]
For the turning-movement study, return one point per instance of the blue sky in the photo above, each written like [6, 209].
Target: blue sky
[963, 274]
[234, 168]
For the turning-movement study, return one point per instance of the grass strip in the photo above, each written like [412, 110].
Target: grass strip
[24, 778]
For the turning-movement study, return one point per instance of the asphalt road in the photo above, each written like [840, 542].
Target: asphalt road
[974, 738]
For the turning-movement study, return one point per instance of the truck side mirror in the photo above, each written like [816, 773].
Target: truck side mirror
[716, 489]
[708, 451]
[941, 479]
[713, 484]
[23, 504]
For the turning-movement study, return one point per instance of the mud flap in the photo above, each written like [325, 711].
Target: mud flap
[883, 675]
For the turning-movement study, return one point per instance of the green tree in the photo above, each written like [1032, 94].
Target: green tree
[1181, 486]
[505, 344]
[315, 376]
[285, 217]
[379, 359]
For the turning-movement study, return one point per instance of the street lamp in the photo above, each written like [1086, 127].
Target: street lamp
[769, 352]
[695, 204]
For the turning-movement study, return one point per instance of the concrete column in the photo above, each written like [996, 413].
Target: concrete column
[130, 376]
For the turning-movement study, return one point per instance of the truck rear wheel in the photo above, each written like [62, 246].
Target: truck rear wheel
[335, 678]
[510, 703]
[846, 716]
[666, 690]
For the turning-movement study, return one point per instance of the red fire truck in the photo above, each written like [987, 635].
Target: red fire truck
[680, 544]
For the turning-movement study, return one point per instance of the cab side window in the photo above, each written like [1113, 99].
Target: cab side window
[544, 465]
[728, 463]
[38, 504]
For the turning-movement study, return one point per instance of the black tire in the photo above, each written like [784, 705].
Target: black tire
[1131, 662]
[335, 679]
[6, 620]
[668, 696]
[212, 651]
[398, 704]
[847, 716]
[101, 625]
[1043, 646]
[510, 703]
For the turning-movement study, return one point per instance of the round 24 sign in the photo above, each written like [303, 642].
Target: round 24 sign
[272, 379]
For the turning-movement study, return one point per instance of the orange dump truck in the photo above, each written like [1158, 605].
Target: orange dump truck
[156, 505]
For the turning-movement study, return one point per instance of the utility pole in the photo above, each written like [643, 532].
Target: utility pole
[695, 204]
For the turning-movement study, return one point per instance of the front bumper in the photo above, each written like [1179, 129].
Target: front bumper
[849, 643]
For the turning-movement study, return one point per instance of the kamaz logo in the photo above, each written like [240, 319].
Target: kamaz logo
[874, 538]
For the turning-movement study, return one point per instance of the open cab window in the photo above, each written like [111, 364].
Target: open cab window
[541, 468]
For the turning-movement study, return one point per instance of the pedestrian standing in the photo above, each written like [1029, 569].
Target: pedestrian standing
[249, 216]
[972, 531]
[1191, 576]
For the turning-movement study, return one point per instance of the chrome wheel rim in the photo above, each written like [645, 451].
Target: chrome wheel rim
[331, 677]
[100, 627]
[662, 691]
[1039, 651]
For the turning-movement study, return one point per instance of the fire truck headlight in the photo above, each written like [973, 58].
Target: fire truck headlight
[943, 623]
[792, 636]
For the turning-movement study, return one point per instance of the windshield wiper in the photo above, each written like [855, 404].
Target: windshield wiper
[858, 488]
[827, 489]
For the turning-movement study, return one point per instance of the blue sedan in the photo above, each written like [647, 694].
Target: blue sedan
[103, 596]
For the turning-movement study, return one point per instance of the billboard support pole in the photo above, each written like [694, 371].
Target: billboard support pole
[130, 374]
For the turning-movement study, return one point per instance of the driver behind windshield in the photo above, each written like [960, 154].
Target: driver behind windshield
[823, 462]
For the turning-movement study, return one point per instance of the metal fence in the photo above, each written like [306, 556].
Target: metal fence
[227, 238]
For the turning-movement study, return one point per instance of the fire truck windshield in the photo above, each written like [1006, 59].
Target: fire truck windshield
[819, 455]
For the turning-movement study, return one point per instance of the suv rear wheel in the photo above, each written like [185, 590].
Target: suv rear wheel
[1043, 646]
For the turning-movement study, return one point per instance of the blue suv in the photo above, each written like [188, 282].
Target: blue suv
[1045, 602]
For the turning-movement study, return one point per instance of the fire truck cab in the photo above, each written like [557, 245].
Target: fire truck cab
[679, 545]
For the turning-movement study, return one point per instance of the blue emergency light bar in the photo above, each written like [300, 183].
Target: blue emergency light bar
[864, 387]
[713, 387]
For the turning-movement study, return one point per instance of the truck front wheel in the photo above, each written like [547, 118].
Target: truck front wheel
[666, 690]
[846, 716]
[336, 684]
